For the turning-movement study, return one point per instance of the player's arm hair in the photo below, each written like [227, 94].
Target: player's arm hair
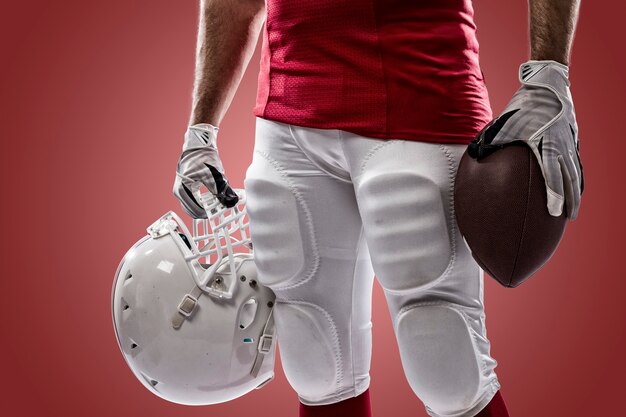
[552, 27]
[227, 36]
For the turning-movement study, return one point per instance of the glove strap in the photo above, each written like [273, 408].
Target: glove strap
[478, 150]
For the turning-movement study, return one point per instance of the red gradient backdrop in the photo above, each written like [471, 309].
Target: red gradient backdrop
[94, 100]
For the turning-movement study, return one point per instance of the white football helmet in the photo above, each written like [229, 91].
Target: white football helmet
[195, 332]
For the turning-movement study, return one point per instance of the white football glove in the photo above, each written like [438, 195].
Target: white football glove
[541, 113]
[199, 165]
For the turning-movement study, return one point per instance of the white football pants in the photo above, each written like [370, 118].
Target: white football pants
[317, 200]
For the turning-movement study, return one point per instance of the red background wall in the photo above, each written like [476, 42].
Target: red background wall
[94, 100]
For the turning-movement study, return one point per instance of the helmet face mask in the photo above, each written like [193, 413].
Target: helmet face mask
[192, 321]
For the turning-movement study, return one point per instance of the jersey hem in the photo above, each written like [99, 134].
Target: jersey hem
[446, 138]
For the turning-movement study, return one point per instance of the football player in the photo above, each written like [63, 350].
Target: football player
[363, 110]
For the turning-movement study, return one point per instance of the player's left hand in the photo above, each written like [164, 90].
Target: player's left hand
[541, 114]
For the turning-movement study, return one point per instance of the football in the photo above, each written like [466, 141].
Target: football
[500, 205]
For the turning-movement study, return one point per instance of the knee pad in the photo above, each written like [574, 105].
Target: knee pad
[309, 350]
[281, 232]
[439, 356]
[406, 229]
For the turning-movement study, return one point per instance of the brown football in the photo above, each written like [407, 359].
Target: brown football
[500, 204]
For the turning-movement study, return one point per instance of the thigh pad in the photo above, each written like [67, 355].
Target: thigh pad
[281, 229]
[406, 228]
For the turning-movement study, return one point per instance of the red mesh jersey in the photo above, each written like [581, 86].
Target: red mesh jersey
[404, 69]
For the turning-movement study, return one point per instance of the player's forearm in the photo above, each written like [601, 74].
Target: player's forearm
[552, 26]
[227, 36]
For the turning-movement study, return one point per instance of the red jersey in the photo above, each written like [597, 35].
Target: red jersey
[400, 69]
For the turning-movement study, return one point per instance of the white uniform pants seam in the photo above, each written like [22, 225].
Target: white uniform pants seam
[348, 167]
[354, 284]
[373, 152]
[312, 160]
[452, 215]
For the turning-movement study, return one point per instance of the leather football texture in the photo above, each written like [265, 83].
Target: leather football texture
[500, 205]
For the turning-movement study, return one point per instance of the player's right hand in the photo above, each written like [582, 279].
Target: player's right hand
[199, 165]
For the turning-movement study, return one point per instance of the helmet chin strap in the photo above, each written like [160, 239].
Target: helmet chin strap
[265, 344]
[186, 307]
[188, 304]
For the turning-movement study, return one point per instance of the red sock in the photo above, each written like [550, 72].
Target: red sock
[495, 408]
[352, 407]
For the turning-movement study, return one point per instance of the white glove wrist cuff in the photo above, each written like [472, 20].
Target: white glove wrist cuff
[201, 135]
[204, 126]
[550, 73]
[546, 61]
[537, 64]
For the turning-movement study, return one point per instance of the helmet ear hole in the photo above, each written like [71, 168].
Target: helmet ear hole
[247, 313]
